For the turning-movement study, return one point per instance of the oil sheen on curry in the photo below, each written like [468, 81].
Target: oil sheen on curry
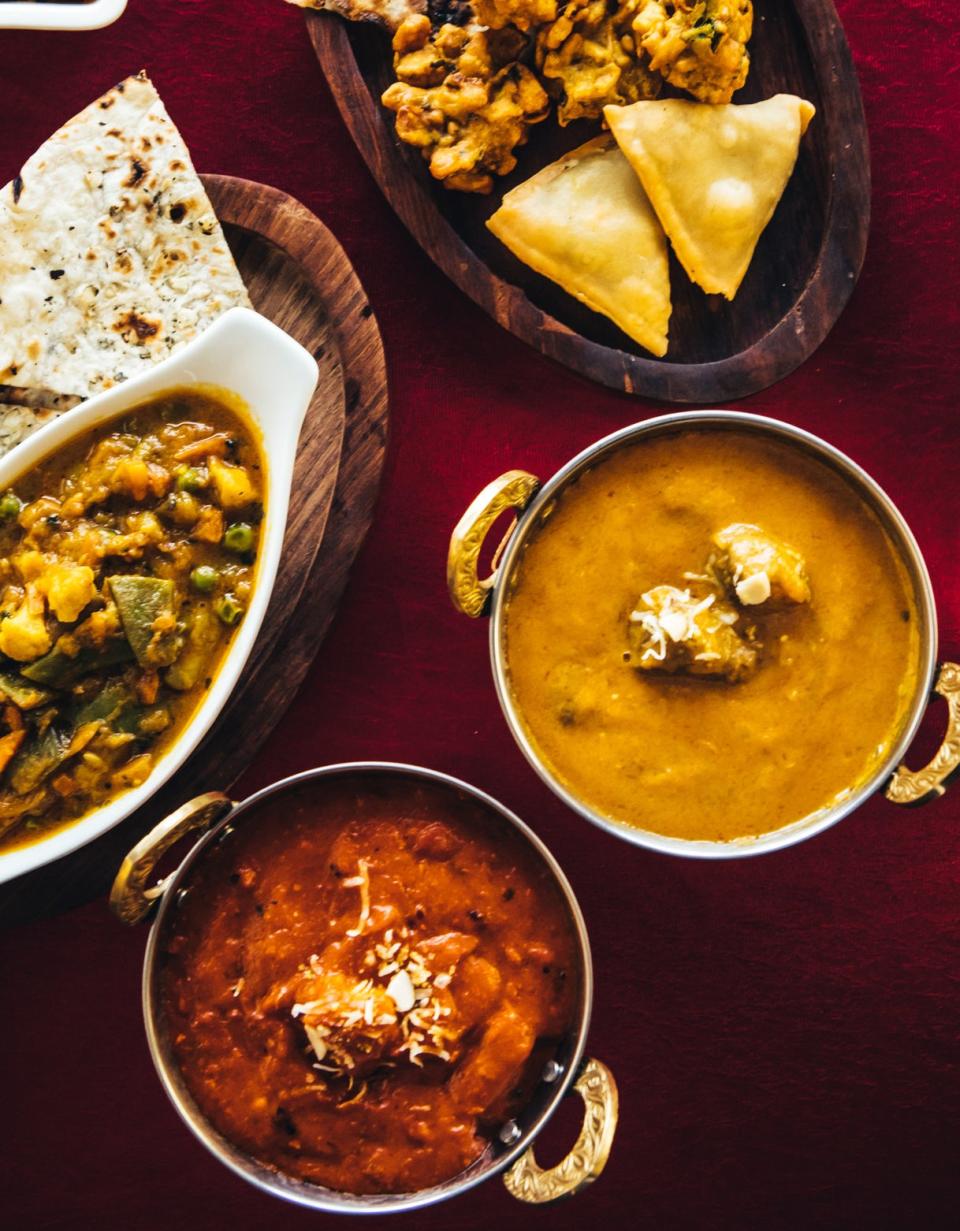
[126, 563]
[365, 982]
[711, 636]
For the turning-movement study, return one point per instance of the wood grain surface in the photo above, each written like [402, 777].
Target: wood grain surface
[298, 276]
[803, 272]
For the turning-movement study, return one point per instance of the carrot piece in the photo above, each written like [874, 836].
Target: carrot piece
[64, 785]
[9, 745]
[147, 684]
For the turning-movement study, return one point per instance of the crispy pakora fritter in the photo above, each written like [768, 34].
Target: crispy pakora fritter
[589, 53]
[697, 45]
[463, 100]
[524, 14]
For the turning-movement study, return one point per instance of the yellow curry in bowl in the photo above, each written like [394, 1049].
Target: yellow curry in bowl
[710, 635]
[127, 560]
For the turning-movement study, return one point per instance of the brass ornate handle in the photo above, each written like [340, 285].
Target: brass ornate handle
[908, 786]
[528, 1182]
[130, 899]
[469, 592]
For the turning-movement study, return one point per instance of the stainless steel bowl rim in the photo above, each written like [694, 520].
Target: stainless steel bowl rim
[288, 1187]
[797, 831]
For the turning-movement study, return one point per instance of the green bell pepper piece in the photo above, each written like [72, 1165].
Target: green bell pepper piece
[57, 669]
[107, 706]
[144, 721]
[23, 695]
[141, 601]
[203, 634]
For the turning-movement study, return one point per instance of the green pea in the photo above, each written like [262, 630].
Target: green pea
[203, 578]
[239, 537]
[10, 506]
[229, 610]
[192, 479]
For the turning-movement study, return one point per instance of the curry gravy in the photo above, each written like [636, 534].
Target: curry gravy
[128, 557]
[299, 922]
[701, 758]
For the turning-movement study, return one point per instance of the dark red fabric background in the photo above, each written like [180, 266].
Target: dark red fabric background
[785, 1029]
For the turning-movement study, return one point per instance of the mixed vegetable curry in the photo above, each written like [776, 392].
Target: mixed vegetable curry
[365, 981]
[711, 636]
[126, 562]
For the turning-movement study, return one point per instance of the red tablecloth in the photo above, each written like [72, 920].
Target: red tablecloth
[784, 1029]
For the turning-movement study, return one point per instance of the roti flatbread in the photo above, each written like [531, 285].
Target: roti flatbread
[111, 257]
[585, 223]
[17, 422]
[389, 13]
[714, 174]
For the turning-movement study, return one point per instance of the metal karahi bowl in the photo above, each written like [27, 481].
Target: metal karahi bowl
[216, 816]
[533, 501]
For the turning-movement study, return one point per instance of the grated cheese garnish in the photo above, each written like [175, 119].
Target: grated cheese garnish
[361, 882]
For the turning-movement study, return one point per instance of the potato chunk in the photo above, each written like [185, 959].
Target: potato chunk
[234, 485]
[674, 631]
[758, 566]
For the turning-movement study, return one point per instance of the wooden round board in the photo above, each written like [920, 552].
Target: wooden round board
[298, 276]
[803, 271]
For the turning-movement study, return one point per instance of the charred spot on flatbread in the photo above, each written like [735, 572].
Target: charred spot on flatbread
[137, 172]
[133, 327]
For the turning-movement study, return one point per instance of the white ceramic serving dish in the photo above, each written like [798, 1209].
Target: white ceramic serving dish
[23, 15]
[250, 357]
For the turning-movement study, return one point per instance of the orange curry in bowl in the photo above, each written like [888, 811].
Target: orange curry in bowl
[363, 985]
[710, 635]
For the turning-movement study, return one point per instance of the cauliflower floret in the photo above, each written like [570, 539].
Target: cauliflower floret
[68, 589]
[29, 564]
[590, 52]
[463, 100]
[24, 635]
[698, 45]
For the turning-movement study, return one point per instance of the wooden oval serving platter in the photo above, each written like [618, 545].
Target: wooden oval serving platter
[298, 276]
[803, 271]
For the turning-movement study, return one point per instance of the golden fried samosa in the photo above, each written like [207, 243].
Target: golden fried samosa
[585, 223]
[714, 175]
